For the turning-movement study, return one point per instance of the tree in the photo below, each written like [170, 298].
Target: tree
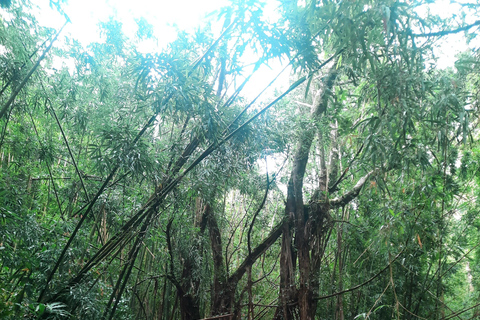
[133, 184]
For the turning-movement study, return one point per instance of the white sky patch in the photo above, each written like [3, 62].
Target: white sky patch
[449, 46]
[166, 17]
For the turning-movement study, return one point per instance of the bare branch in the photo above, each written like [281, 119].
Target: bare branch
[257, 252]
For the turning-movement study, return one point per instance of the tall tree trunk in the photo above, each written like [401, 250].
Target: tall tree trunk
[300, 301]
[308, 227]
[189, 308]
[188, 285]
[221, 293]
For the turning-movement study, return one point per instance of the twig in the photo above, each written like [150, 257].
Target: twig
[460, 312]
[249, 245]
[376, 301]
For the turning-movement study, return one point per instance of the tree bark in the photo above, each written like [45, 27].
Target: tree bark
[224, 287]
[299, 301]
[187, 286]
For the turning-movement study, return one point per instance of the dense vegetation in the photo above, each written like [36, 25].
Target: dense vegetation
[146, 186]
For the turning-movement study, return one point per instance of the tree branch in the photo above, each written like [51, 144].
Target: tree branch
[362, 284]
[257, 252]
[447, 32]
[352, 194]
[249, 245]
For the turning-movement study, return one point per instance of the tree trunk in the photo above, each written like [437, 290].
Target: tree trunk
[189, 308]
[221, 296]
[300, 301]
[187, 286]
[225, 286]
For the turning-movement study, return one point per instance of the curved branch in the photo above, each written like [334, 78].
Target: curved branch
[257, 252]
[342, 177]
[17, 90]
[352, 194]
[362, 284]
[460, 312]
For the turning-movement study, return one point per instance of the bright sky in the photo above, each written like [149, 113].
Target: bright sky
[168, 15]
[164, 15]
[451, 44]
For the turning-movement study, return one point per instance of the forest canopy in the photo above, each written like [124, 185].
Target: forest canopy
[140, 184]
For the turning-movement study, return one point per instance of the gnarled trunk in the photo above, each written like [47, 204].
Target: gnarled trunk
[299, 302]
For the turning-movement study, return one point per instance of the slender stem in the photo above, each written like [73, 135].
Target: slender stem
[5, 108]
[49, 171]
[69, 150]
[447, 32]
[256, 214]
[23, 65]
[364, 283]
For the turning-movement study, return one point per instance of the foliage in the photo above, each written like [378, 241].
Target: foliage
[147, 186]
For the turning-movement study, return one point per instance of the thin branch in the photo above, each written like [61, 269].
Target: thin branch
[171, 275]
[224, 316]
[266, 274]
[334, 187]
[117, 294]
[447, 32]
[376, 301]
[456, 262]
[413, 314]
[69, 150]
[49, 171]
[364, 283]
[199, 60]
[4, 130]
[23, 65]
[256, 214]
[460, 312]
[259, 250]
